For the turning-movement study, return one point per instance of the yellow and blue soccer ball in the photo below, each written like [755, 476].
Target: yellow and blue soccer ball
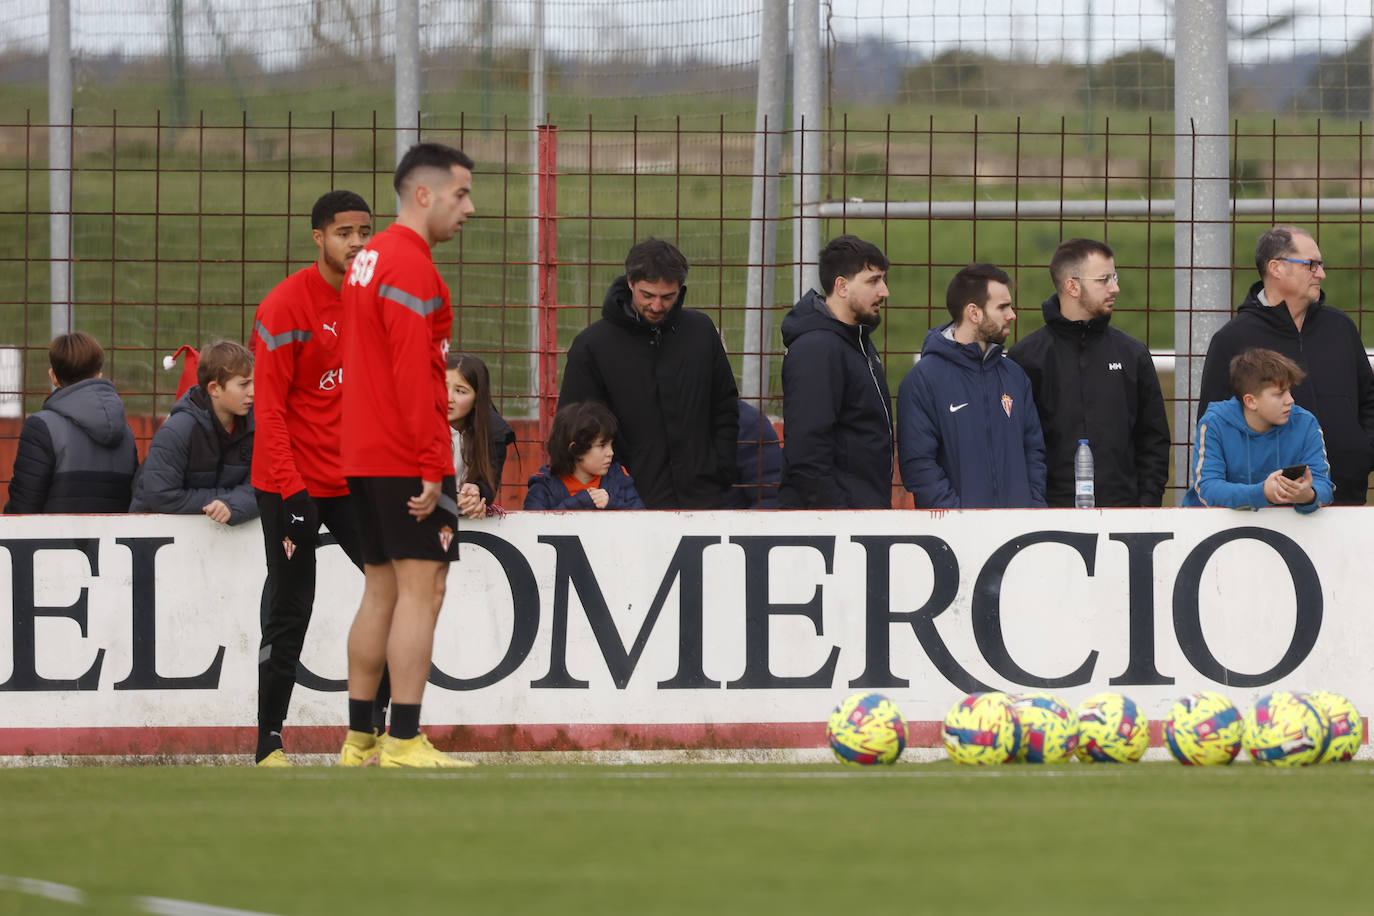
[982, 729]
[1049, 728]
[867, 729]
[1111, 729]
[1346, 726]
[1204, 729]
[1286, 730]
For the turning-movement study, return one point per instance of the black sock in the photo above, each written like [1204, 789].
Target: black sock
[360, 715]
[268, 741]
[383, 699]
[405, 720]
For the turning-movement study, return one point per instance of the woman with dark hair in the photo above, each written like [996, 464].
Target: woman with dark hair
[77, 454]
[480, 434]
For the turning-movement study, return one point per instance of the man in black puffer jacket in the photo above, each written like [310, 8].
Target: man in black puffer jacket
[662, 371]
[1093, 381]
[77, 454]
[1286, 312]
[837, 413]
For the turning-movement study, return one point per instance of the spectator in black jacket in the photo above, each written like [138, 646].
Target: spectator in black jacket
[1286, 311]
[760, 462]
[1093, 381]
[77, 454]
[837, 413]
[662, 371]
[200, 460]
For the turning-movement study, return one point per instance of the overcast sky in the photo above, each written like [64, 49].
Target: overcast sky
[726, 30]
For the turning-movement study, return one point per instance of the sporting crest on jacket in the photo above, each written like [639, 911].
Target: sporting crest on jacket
[1006, 404]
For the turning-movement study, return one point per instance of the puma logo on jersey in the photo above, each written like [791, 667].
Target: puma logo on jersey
[297, 518]
[330, 328]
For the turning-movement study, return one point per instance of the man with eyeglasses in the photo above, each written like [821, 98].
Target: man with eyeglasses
[1096, 382]
[1285, 311]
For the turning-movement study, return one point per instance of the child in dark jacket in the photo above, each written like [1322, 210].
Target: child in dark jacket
[77, 454]
[201, 457]
[582, 472]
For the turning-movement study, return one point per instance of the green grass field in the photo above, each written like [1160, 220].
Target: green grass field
[1152, 838]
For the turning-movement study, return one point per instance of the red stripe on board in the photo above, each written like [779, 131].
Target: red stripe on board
[321, 739]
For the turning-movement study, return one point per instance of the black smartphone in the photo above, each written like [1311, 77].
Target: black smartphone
[1295, 471]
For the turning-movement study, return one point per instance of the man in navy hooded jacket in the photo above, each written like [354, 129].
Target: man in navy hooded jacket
[968, 434]
[837, 413]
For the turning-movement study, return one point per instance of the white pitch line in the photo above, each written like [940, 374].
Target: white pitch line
[162, 906]
[37, 888]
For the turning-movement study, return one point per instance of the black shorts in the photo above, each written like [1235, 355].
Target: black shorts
[389, 532]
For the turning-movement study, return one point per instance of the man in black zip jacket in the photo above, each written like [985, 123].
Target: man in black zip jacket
[1093, 381]
[662, 370]
[1286, 312]
[837, 413]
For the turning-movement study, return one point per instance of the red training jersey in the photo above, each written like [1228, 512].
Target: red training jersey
[398, 319]
[298, 388]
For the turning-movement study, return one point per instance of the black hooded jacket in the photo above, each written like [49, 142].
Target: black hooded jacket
[1338, 389]
[77, 454]
[1092, 381]
[673, 392]
[837, 414]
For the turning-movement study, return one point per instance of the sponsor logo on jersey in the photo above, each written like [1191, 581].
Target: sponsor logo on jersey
[331, 379]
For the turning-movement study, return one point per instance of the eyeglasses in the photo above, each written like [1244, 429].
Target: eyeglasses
[1108, 280]
[1313, 264]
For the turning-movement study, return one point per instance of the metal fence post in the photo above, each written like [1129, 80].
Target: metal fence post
[807, 76]
[763, 203]
[537, 116]
[60, 165]
[548, 278]
[1202, 251]
[407, 75]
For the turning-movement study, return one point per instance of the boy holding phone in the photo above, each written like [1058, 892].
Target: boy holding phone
[1260, 449]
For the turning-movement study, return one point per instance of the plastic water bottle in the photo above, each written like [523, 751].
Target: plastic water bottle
[1083, 476]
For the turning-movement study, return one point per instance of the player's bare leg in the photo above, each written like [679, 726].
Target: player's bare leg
[367, 640]
[419, 596]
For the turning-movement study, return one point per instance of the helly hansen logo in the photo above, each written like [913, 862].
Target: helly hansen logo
[331, 379]
[1113, 367]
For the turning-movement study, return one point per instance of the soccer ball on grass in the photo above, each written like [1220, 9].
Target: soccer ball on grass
[1203, 729]
[982, 729]
[1347, 728]
[1111, 729]
[1049, 728]
[866, 729]
[1286, 730]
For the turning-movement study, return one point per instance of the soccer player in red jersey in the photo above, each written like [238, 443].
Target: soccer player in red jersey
[297, 473]
[397, 453]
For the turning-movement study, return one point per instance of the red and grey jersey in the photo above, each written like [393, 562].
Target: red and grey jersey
[397, 311]
[298, 388]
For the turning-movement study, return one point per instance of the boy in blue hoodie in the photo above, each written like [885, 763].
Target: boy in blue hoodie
[1259, 449]
[582, 472]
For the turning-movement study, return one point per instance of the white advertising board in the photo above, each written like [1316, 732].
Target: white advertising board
[139, 634]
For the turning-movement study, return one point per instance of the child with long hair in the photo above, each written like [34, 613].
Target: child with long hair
[478, 449]
[582, 472]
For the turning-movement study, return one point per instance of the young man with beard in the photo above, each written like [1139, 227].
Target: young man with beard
[1286, 311]
[968, 435]
[662, 370]
[296, 472]
[398, 451]
[837, 413]
[1093, 381]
